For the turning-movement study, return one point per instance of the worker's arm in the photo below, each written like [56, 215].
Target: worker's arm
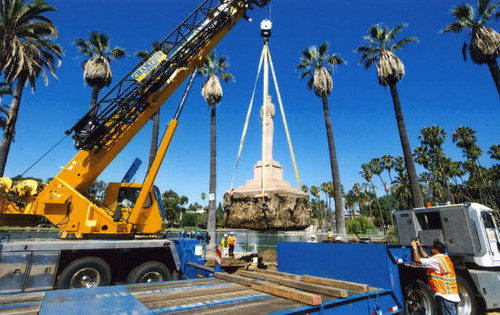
[415, 251]
[422, 252]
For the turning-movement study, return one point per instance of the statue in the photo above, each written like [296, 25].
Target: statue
[269, 128]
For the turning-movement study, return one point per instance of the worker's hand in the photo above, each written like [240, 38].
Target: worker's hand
[418, 243]
[414, 244]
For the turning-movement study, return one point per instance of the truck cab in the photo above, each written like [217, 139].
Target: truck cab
[471, 234]
[468, 230]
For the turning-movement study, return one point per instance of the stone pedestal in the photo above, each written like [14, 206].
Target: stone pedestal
[280, 208]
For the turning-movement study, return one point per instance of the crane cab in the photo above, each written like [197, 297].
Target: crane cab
[120, 199]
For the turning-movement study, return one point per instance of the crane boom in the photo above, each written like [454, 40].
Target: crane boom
[102, 133]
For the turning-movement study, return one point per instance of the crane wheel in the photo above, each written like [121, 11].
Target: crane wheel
[86, 272]
[419, 299]
[151, 271]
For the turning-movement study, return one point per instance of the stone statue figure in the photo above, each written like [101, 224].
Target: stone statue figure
[270, 110]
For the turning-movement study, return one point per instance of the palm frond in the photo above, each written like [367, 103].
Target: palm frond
[464, 12]
[457, 26]
[464, 51]
[323, 49]
[405, 41]
[490, 11]
[391, 35]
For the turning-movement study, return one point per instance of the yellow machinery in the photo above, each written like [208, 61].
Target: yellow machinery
[102, 134]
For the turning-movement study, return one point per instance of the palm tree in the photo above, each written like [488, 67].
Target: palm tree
[367, 174]
[482, 42]
[203, 197]
[156, 117]
[328, 189]
[390, 70]
[27, 51]
[433, 138]
[212, 68]
[313, 65]
[465, 138]
[494, 152]
[377, 167]
[304, 188]
[4, 108]
[96, 70]
[315, 191]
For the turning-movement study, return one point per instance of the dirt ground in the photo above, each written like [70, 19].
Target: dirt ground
[267, 259]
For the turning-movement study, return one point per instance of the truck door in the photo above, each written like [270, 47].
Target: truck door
[460, 233]
[493, 236]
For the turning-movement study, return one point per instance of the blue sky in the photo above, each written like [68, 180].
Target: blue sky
[439, 88]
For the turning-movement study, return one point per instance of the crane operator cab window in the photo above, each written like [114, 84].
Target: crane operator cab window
[127, 196]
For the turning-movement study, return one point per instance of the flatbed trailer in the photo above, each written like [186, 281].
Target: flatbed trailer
[45, 264]
[376, 289]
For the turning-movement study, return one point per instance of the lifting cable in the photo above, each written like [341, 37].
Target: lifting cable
[284, 119]
[247, 120]
[53, 147]
[265, 55]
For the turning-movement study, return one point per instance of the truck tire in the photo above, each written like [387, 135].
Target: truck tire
[86, 272]
[419, 299]
[468, 303]
[151, 271]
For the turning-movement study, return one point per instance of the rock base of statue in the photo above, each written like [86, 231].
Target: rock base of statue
[281, 207]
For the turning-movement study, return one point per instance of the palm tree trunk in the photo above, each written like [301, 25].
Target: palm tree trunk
[495, 73]
[213, 173]
[154, 138]
[10, 128]
[382, 222]
[337, 187]
[416, 193]
[93, 100]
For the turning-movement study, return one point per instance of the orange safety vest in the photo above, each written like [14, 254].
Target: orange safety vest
[445, 283]
[224, 243]
[232, 240]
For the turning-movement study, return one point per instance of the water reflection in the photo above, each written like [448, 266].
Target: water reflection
[254, 241]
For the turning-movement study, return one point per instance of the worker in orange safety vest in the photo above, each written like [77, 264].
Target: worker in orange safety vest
[232, 241]
[441, 276]
[224, 245]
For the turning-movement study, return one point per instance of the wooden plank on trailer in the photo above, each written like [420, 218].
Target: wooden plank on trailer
[28, 310]
[337, 283]
[139, 287]
[286, 292]
[316, 288]
[173, 296]
[234, 278]
[206, 300]
[258, 275]
[280, 274]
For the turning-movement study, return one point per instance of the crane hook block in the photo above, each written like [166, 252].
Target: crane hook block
[265, 28]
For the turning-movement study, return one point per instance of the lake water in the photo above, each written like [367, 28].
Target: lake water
[246, 240]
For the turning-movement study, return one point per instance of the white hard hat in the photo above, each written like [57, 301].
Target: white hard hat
[338, 238]
[232, 233]
[313, 235]
[225, 235]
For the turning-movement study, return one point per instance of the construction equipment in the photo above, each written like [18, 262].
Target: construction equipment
[129, 209]
[103, 132]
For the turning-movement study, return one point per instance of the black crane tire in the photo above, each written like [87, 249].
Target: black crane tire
[419, 299]
[86, 272]
[151, 271]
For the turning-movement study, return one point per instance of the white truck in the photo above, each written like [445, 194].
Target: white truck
[471, 234]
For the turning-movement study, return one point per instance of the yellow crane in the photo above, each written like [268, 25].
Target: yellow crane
[128, 208]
